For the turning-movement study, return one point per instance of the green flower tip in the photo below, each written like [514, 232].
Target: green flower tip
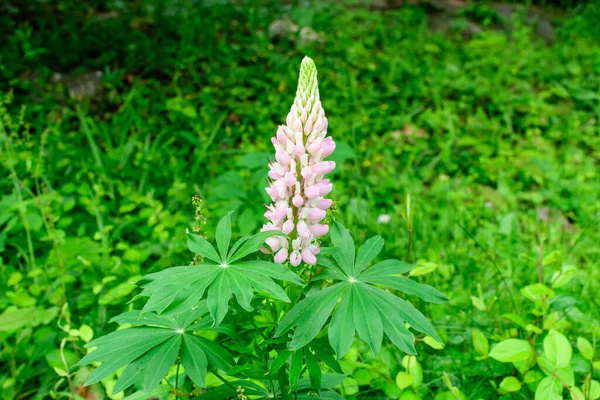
[308, 76]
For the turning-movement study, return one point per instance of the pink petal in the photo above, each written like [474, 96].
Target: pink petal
[281, 256]
[309, 257]
[295, 258]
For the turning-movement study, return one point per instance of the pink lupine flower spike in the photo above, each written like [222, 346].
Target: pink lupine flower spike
[297, 187]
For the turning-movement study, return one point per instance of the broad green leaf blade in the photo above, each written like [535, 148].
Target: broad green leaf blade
[332, 268]
[387, 268]
[408, 286]
[296, 368]
[227, 392]
[181, 277]
[367, 253]
[161, 362]
[406, 311]
[366, 319]
[290, 319]
[329, 380]
[399, 334]
[218, 298]
[241, 288]
[253, 244]
[135, 318]
[223, 236]
[190, 297]
[275, 271]
[161, 299]
[262, 283]
[557, 349]
[116, 341]
[340, 237]
[194, 361]
[394, 327]
[585, 348]
[341, 327]
[116, 354]
[314, 370]
[217, 356]
[324, 354]
[310, 323]
[134, 371]
[186, 318]
[549, 388]
[237, 245]
[511, 350]
[199, 245]
[279, 361]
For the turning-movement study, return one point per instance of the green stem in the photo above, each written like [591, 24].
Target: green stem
[282, 378]
[177, 382]
[225, 381]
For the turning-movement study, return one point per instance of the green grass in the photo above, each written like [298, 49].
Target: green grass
[496, 139]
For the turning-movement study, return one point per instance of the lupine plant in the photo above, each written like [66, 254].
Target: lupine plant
[271, 324]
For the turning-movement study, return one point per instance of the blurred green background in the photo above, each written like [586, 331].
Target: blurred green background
[115, 113]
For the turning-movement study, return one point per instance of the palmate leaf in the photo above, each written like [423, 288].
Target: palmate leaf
[150, 349]
[223, 276]
[360, 306]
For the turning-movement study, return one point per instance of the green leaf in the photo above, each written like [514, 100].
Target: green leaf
[134, 372]
[263, 283]
[326, 356]
[404, 379]
[536, 291]
[273, 270]
[431, 342]
[237, 245]
[510, 384]
[120, 348]
[511, 350]
[394, 326]
[406, 311]
[194, 361]
[218, 297]
[241, 288]
[408, 286]
[314, 370]
[199, 245]
[136, 318]
[216, 355]
[366, 319]
[549, 388]
[295, 368]
[423, 269]
[290, 319]
[253, 244]
[279, 361]
[594, 390]
[557, 349]
[223, 236]
[478, 303]
[341, 327]
[387, 268]
[340, 237]
[329, 380]
[309, 324]
[480, 342]
[161, 362]
[366, 253]
[585, 348]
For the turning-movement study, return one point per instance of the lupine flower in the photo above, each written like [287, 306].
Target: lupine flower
[297, 187]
